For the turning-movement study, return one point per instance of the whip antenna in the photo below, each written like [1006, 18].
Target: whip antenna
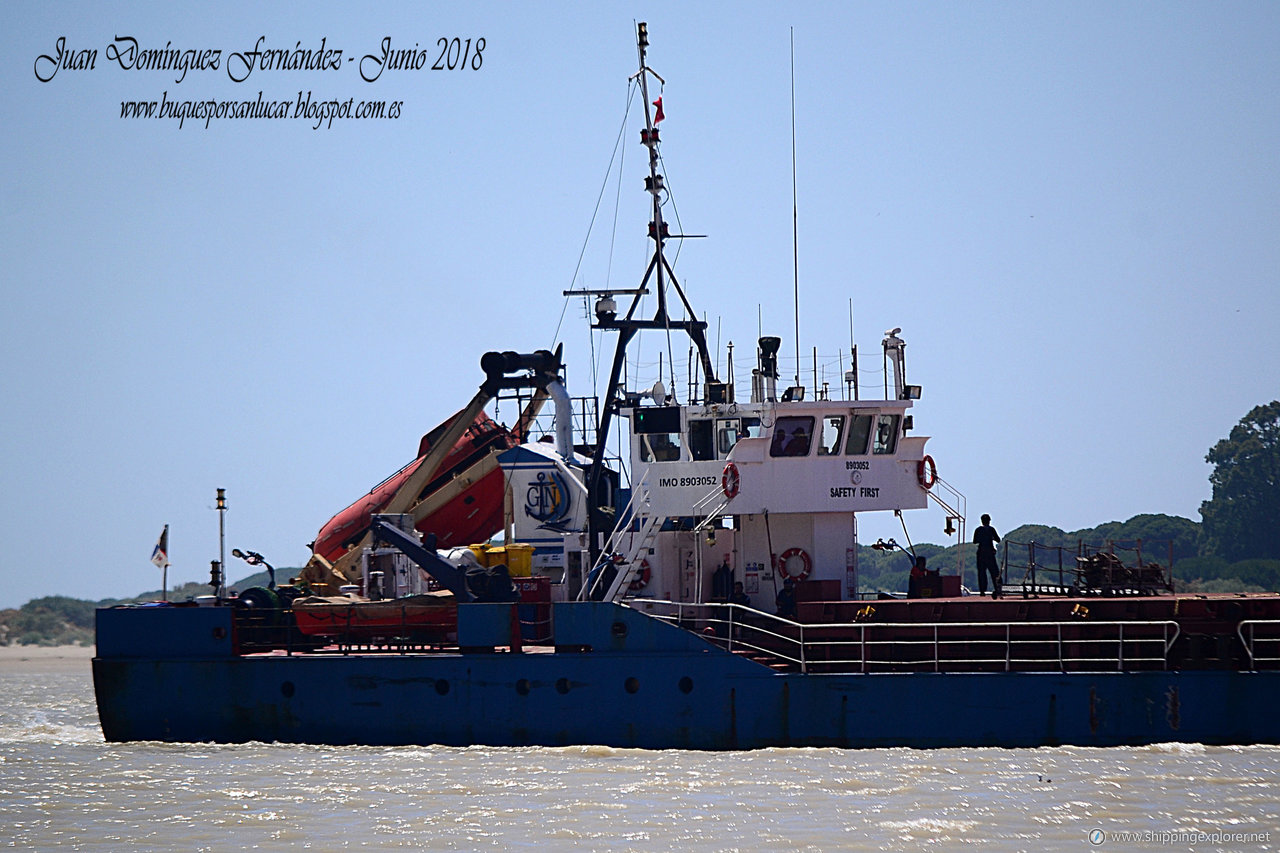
[795, 241]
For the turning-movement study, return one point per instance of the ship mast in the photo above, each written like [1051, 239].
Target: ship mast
[660, 272]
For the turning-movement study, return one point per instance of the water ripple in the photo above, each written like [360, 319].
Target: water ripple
[61, 785]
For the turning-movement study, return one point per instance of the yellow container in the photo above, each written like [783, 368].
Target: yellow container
[518, 558]
[482, 554]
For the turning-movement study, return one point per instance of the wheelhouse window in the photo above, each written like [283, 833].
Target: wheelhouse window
[660, 447]
[792, 436]
[829, 442]
[701, 444]
[727, 434]
[657, 431]
[729, 431]
[859, 433]
[886, 435]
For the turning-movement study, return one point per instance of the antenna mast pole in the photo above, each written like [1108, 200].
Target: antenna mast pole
[628, 325]
[654, 182]
[795, 215]
[222, 541]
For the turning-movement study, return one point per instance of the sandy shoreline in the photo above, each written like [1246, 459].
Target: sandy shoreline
[45, 658]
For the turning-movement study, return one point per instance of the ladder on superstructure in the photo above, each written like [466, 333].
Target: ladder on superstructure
[628, 562]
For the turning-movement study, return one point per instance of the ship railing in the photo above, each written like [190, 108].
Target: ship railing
[276, 631]
[924, 646]
[1261, 640]
[711, 506]
[1063, 570]
[267, 631]
[629, 560]
[955, 505]
[257, 634]
[625, 558]
[731, 626]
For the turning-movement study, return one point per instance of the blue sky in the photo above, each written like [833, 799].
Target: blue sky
[1071, 209]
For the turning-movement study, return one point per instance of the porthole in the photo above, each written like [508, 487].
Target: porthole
[219, 633]
[522, 687]
[632, 684]
[562, 686]
[442, 687]
[287, 689]
[686, 684]
[619, 629]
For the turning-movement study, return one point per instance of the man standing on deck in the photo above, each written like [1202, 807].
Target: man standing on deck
[985, 537]
[786, 599]
[722, 582]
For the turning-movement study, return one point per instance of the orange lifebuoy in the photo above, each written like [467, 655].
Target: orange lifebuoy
[927, 472]
[642, 578]
[729, 480]
[785, 559]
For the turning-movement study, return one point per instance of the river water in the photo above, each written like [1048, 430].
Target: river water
[62, 786]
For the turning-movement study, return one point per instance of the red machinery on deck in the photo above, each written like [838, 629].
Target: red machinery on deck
[461, 504]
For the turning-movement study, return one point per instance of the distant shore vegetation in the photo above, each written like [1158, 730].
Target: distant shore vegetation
[1236, 549]
[1162, 539]
[61, 620]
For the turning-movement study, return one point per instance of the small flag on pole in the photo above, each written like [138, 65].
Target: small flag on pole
[160, 554]
[659, 115]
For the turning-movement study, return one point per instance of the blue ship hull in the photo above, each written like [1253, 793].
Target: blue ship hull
[622, 678]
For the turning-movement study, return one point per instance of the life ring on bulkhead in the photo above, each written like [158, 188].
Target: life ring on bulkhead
[927, 472]
[730, 481]
[785, 559]
[642, 577]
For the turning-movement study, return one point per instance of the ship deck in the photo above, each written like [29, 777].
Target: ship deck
[959, 634]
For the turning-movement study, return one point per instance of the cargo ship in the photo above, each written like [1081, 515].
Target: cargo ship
[618, 609]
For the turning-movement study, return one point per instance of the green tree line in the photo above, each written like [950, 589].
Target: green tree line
[1236, 548]
[1153, 538]
[59, 620]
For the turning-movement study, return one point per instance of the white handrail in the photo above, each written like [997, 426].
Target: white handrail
[958, 511]
[1252, 640]
[789, 642]
[632, 511]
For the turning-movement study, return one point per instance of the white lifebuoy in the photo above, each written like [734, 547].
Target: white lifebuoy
[641, 580]
[927, 472]
[729, 480]
[785, 559]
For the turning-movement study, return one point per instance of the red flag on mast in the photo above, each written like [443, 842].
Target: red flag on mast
[659, 116]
